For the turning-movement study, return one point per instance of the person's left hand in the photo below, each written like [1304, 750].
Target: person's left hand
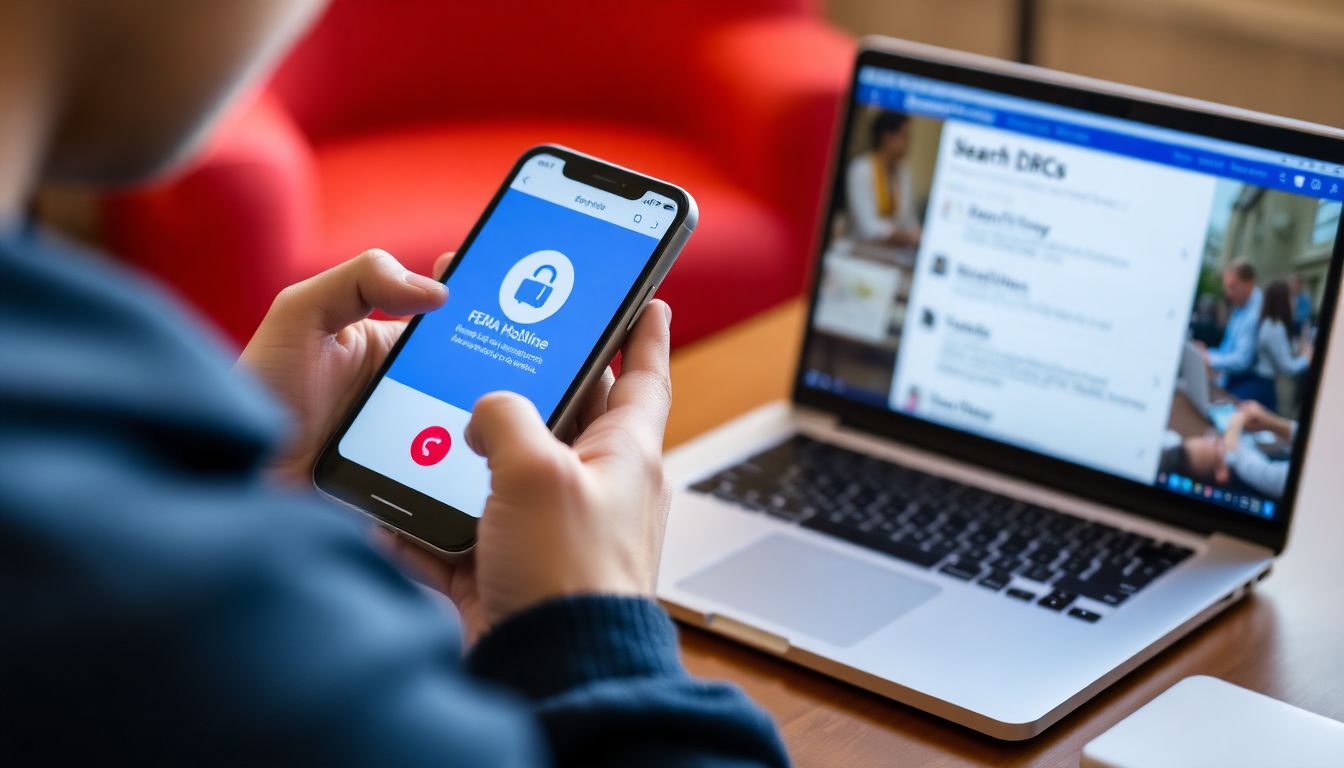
[317, 347]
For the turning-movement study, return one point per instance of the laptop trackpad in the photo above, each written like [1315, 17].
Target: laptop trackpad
[812, 590]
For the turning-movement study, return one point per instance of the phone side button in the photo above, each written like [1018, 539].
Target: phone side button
[643, 302]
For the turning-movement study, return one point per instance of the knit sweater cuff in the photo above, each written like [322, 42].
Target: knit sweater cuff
[568, 642]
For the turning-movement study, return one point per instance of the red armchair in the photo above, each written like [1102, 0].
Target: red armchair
[392, 123]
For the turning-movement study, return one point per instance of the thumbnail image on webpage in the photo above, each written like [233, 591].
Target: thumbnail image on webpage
[1150, 321]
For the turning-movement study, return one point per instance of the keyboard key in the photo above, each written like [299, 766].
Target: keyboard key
[1041, 573]
[959, 570]
[1043, 555]
[996, 580]
[1175, 552]
[975, 555]
[1101, 591]
[1020, 594]
[942, 547]
[1074, 565]
[1057, 600]
[1085, 615]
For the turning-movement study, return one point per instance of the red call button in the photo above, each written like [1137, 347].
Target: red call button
[430, 446]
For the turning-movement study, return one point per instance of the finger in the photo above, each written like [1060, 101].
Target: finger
[442, 263]
[426, 568]
[384, 540]
[643, 391]
[595, 403]
[507, 431]
[350, 291]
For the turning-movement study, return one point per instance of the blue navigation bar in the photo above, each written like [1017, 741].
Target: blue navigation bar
[1252, 165]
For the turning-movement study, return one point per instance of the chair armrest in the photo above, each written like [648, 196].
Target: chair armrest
[226, 231]
[771, 90]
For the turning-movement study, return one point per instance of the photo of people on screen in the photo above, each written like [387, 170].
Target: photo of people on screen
[876, 228]
[1233, 419]
[878, 187]
[1148, 320]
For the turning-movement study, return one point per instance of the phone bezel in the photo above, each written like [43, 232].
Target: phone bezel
[442, 526]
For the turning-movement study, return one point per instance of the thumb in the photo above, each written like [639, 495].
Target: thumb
[350, 291]
[507, 431]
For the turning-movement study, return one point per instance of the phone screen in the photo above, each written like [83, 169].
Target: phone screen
[529, 298]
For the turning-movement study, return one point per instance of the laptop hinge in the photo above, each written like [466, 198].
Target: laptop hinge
[744, 633]
[816, 416]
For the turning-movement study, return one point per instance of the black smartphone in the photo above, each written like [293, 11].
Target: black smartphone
[540, 297]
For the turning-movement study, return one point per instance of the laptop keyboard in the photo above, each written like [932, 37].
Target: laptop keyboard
[1024, 551]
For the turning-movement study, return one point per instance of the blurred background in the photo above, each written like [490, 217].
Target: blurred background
[393, 122]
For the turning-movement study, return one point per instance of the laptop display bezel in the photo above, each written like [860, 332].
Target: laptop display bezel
[1115, 101]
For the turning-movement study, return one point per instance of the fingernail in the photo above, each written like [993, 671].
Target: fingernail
[667, 312]
[422, 282]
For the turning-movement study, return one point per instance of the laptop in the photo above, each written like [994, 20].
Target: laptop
[1194, 383]
[966, 504]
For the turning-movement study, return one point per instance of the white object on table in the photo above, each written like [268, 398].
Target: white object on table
[1203, 721]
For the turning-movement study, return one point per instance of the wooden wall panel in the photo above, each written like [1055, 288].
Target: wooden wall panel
[1279, 56]
[982, 26]
[1285, 58]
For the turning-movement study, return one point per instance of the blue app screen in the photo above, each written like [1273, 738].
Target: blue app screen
[527, 303]
[480, 341]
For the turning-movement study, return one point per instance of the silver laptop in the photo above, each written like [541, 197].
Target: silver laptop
[974, 502]
[1194, 383]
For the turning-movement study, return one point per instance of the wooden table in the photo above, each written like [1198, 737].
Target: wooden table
[1286, 641]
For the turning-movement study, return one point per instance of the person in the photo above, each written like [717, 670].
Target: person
[878, 187]
[1198, 457]
[1234, 357]
[1274, 354]
[1242, 456]
[1232, 459]
[1302, 307]
[176, 593]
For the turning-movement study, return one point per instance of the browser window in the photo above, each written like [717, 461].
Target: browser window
[1054, 279]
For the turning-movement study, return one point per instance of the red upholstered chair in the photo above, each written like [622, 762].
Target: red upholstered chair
[393, 122]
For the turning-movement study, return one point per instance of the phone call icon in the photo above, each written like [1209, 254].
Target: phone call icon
[430, 446]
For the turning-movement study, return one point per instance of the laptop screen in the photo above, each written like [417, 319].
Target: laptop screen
[1133, 299]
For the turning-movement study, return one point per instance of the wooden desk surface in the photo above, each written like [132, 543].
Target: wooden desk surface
[1287, 640]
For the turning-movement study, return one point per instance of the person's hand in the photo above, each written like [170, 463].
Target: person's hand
[1204, 354]
[1205, 458]
[1253, 416]
[317, 347]
[1237, 424]
[586, 518]
[1208, 363]
[1305, 350]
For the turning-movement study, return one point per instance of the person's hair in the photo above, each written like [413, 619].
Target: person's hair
[887, 122]
[1242, 269]
[1278, 303]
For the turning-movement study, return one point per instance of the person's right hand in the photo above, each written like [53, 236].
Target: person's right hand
[1253, 416]
[586, 518]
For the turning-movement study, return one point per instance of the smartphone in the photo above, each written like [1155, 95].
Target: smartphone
[540, 297]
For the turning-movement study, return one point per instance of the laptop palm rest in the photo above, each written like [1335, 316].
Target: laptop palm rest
[808, 589]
